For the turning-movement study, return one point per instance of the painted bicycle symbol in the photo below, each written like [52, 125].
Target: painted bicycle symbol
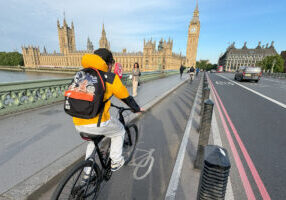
[143, 159]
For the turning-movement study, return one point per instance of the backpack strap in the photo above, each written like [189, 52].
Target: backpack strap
[103, 85]
[101, 111]
[102, 82]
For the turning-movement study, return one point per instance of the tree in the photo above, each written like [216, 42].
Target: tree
[205, 65]
[11, 59]
[269, 61]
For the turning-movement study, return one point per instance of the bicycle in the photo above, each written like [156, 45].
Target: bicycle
[94, 175]
[191, 76]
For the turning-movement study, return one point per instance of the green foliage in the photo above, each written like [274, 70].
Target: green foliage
[268, 62]
[11, 59]
[205, 65]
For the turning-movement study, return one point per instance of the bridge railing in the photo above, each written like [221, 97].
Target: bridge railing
[274, 75]
[19, 96]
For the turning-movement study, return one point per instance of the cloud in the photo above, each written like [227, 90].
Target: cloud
[127, 22]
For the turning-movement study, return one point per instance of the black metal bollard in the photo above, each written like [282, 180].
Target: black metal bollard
[214, 176]
[205, 82]
[205, 128]
[205, 96]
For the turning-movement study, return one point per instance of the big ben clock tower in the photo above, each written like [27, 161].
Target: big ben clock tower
[193, 37]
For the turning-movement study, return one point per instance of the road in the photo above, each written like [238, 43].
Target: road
[255, 115]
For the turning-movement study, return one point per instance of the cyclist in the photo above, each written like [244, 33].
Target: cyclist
[192, 72]
[102, 60]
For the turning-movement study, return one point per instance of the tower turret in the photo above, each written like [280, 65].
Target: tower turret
[103, 42]
[66, 37]
[89, 45]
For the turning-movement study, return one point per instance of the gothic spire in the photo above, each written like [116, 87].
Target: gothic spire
[89, 45]
[197, 6]
[103, 30]
[65, 23]
[195, 18]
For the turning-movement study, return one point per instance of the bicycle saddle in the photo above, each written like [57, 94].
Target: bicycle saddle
[95, 138]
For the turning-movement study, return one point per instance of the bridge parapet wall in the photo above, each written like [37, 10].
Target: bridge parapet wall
[19, 96]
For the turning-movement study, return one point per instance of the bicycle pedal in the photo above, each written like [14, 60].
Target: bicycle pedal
[107, 174]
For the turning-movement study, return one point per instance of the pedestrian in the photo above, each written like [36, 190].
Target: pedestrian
[197, 71]
[135, 78]
[182, 68]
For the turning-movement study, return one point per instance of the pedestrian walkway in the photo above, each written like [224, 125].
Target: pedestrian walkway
[32, 140]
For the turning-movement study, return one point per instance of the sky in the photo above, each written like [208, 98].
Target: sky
[128, 22]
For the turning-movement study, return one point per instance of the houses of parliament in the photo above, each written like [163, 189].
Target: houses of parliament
[154, 57]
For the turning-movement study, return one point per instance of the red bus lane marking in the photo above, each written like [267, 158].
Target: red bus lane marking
[249, 162]
[247, 187]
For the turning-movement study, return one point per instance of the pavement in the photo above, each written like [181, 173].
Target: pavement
[42, 138]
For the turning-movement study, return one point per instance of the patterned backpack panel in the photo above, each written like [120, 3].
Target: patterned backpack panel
[84, 97]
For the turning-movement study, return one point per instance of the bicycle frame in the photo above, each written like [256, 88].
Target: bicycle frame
[104, 164]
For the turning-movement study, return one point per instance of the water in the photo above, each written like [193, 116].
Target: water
[13, 76]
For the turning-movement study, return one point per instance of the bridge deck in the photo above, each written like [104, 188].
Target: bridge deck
[32, 140]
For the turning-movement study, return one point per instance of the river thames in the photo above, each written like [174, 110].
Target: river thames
[13, 76]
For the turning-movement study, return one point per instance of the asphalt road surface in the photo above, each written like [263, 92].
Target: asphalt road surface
[257, 112]
[160, 133]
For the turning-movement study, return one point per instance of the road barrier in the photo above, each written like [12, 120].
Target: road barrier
[274, 75]
[214, 176]
[204, 132]
[205, 96]
[205, 81]
[19, 96]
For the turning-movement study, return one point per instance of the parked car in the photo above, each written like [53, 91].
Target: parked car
[213, 71]
[248, 73]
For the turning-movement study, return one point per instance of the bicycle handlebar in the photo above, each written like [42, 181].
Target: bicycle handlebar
[120, 108]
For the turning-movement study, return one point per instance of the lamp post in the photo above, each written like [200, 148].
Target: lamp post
[273, 63]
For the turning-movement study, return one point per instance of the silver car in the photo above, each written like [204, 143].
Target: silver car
[248, 73]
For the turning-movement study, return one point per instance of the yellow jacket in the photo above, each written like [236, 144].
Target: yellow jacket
[114, 87]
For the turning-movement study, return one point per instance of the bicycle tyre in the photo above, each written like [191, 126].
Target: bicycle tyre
[65, 180]
[134, 137]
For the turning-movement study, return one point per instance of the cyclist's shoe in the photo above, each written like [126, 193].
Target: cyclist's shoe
[116, 166]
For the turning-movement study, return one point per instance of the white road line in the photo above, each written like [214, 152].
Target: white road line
[174, 181]
[217, 141]
[258, 93]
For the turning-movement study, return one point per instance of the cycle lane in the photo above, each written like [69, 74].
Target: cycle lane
[160, 133]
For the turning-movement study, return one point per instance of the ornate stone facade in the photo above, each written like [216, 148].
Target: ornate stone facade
[193, 38]
[152, 58]
[233, 58]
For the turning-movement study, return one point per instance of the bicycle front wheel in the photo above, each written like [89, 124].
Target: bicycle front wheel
[72, 185]
[130, 141]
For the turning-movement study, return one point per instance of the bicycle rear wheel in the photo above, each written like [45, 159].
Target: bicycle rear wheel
[72, 187]
[130, 141]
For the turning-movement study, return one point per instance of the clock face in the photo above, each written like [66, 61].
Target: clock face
[193, 29]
